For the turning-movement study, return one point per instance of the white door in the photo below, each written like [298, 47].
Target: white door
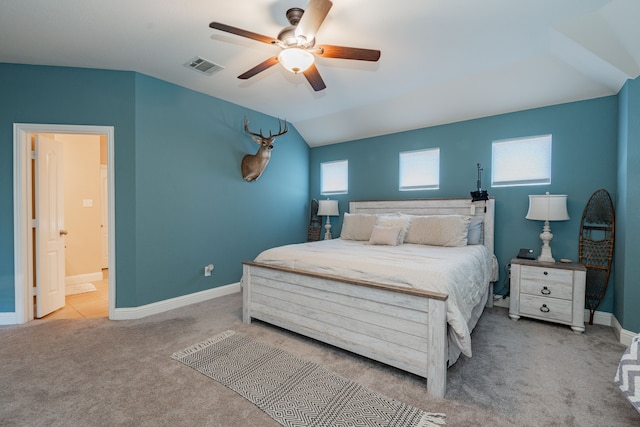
[104, 216]
[49, 235]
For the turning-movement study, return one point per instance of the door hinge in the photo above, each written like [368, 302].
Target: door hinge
[34, 223]
[33, 155]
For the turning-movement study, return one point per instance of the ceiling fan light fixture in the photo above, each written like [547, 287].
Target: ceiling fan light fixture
[295, 59]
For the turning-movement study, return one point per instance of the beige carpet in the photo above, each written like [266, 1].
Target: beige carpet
[95, 372]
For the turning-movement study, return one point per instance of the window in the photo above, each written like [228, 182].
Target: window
[522, 161]
[334, 177]
[420, 170]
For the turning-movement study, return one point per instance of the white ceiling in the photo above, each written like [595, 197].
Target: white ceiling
[442, 60]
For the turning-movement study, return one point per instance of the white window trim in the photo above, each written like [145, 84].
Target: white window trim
[425, 186]
[541, 179]
[337, 191]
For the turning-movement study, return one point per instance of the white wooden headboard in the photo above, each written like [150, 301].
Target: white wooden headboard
[483, 209]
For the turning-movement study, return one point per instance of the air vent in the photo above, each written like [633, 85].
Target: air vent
[203, 66]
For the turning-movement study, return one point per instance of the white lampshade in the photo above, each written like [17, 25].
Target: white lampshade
[548, 207]
[295, 59]
[328, 208]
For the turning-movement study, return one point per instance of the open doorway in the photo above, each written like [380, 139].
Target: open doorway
[64, 238]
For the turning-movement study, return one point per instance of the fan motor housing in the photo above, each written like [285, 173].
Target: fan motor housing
[288, 38]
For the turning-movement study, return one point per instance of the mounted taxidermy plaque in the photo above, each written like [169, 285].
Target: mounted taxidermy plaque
[254, 164]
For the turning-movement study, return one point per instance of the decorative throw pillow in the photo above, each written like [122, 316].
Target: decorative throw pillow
[357, 226]
[474, 236]
[385, 236]
[395, 220]
[439, 230]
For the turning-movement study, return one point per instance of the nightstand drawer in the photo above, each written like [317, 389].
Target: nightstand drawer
[555, 290]
[551, 282]
[545, 308]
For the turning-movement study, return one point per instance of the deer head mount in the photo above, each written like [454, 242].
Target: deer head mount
[254, 164]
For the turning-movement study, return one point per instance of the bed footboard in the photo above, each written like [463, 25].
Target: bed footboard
[401, 327]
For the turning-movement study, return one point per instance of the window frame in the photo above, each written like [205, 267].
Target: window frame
[344, 178]
[421, 186]
[539, 175]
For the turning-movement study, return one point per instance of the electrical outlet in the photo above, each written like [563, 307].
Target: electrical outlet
[208, 269]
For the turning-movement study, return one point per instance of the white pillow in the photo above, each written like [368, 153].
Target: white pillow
[395, 220]
[357, 226]
[438, 230]
[385, 236]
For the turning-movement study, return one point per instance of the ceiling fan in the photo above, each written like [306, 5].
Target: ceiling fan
[298, 44]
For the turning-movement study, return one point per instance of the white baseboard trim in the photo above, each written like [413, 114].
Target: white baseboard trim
[500, 301]
[173, 303]
[8, 319]
[83, 278]
[599, 318]
[624, 336]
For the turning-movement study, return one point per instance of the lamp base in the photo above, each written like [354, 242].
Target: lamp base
[542, 258]
[327, 226]
[546, 237]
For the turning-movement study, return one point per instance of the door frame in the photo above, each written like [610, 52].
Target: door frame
[22, 206]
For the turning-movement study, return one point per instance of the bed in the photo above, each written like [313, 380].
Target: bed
[403, 302]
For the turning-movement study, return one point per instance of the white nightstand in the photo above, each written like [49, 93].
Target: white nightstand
[548, 291]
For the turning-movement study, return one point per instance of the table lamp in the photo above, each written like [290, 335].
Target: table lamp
[328, 208]
[547, 208]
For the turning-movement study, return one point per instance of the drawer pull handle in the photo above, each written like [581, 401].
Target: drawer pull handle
[545, 291]
[544, 308]
[545, 273]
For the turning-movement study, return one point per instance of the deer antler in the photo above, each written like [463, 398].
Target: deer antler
[280, 131]
[261, 136]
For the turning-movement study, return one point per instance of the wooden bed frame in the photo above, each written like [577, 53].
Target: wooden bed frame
[402, 327]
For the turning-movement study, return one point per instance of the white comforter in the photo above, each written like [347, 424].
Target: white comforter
[463, 273]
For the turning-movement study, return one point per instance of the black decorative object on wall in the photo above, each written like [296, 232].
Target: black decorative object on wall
[480, 194]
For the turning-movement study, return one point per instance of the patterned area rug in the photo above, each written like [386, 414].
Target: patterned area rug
[295, 392]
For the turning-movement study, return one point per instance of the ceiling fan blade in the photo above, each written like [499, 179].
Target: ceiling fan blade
[259, 68]
[313, 77]
[243, 33]
[312, 18]
[343, 52]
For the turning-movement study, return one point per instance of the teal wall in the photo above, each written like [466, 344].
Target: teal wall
[192, 205]
[584, 160]
[627, 251]
[180, 202]
[56, 95]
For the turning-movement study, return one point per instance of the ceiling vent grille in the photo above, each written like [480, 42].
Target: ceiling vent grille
[203, 66]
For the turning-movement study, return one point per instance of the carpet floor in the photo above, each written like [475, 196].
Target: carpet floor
[96, 372]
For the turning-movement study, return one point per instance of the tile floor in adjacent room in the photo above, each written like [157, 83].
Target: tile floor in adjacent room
[90, 304]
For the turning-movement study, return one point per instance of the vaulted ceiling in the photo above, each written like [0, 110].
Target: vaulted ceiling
[442, 60]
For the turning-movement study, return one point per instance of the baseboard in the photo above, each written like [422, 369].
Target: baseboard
[500, 301]
[8, 319]
[624, 336]
[83, 278]
[173, 303]
[599, 318]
